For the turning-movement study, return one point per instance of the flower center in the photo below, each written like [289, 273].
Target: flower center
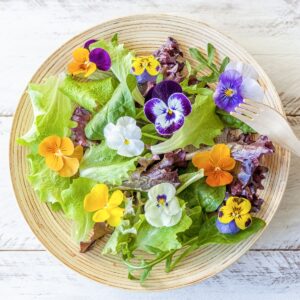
[229, 92]
[217, 169]
[162, 200]
[170, 111]
[58, 152]
[126, 142]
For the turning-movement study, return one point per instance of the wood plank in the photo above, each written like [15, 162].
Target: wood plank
[36, 274]
[283, 232]
[270, 32]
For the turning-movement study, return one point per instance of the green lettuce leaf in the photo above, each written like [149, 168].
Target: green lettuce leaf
[121, 104]
[92, 95]
[209, 233]
[152, 239]
[52, 112]
[232, 122]
[103, 164]
[200, 127]
[199, 193]
[46, 183]
[73, 208]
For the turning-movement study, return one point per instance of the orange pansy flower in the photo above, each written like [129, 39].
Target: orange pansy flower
[61, 155]
[216, 164]
[81, 63]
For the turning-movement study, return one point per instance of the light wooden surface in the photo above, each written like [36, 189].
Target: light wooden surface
[269, 30]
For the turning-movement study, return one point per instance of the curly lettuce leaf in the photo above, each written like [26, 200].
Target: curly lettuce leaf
[199, 193]
[52, 112]
[91, 95]
[73, 208]
[103, 164]
[200, 127]
[152, 239]
[121, 104]
[46, 183]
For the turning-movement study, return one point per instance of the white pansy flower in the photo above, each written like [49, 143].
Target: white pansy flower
[250, 88]
[162, 208]
[125, 137]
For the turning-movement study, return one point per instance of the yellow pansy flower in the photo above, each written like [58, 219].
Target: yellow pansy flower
[61, 155]
[237, 209]
[148, 63]
[106, 208]
[81, 63]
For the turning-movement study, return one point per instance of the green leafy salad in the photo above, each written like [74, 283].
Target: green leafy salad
[144, 149]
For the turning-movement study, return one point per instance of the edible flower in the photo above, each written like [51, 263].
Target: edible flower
[125, 137]
[216, 164]
[61, 155]
[146, 68]
[105, 208]
[168, 114]
[236, 83]
[236, 210]
[162, 207]
[86, 62]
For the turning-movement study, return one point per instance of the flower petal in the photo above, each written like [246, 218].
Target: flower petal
[97, 198]
[144, 77]
[244, 221]
[49, 145]
[173, 220]
[81, 55]
[153, 66]
[225, 214]
[101, 215]
[114, 221]
[116, 199]
[78, 152]
[167, 124]
[89, 42]
[154, 108]
[128, 128]
[245, 70]
[250, 89]
[165, 89]
[101, 58]
[113, 137]
[172, 207]
[91, 68]
[218, 152]
[54, 162]
[218, 178]
[165, 188]
[201, 160]
[116, 212]
[75, 68]
[70, 168]
[245, 206]
[227, 163]
[131, 148]
[229, 228]
[138, 66]
[180, 102]
[153, 214]
[66, 146]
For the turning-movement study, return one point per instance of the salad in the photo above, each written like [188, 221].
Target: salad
[144, 150]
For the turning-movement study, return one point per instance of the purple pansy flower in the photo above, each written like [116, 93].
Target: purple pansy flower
[238, 82]
[88, 43]
[101, 58]
[229, 228]
[168, 107]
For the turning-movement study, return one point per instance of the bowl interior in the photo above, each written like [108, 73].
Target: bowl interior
[142, 33]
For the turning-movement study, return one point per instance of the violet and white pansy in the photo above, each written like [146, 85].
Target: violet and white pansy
[169, 109]
[162, 207]
[236, 83]
[125, 137]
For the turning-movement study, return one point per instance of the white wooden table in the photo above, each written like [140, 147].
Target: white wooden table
[30, 30]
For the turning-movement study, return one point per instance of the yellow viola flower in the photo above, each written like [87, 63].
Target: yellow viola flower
[61, 155]
[148, 63]
[237, 209]
[81, 63]
[106, 208]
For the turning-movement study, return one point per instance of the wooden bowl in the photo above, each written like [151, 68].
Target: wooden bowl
[142, 33]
